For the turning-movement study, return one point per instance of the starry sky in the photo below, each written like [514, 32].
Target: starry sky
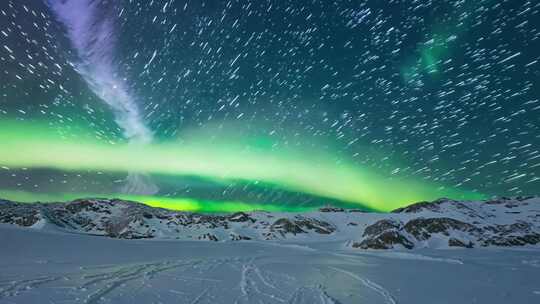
[276, 105]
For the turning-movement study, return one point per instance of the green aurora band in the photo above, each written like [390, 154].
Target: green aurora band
[37, 145]
[172, 203]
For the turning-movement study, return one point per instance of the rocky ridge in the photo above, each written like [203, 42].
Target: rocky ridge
[505, 222]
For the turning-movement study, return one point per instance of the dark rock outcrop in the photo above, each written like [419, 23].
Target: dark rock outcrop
[237, 237]
[331, 209]
[423, 228]
[386, 234]
[453, 242]
[19, 214]
[208, 237]
[384, 240]
[301, 224]
[240, 217]
[285, 226]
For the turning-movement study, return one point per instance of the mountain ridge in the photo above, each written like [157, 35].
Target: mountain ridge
[443, 223]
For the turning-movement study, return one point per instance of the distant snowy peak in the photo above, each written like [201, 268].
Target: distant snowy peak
[131, 220]
[440, 224]
[504, 222]
[444, 204]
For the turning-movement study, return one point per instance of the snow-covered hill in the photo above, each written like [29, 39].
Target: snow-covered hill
[439, 224]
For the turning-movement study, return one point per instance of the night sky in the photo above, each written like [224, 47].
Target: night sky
[276, 105]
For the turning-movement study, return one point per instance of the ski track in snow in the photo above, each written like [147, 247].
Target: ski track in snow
[200, 296]
[15, 287]
[115, 279]
[104, 283]
[198, 281]
[256, 284]
[388, 298]
[246, 273]
[308, 295]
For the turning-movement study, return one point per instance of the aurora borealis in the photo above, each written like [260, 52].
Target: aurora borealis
[298, 171]
[248, 105]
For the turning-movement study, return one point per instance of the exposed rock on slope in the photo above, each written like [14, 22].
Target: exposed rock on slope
[131, 220]
[439, 224]
[384, 234]
[505, 222]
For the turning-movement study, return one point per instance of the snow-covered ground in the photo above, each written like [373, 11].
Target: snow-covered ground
[44, 266]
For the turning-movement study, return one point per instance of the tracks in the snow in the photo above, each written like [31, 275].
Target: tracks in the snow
[15, 287]
[309, 295]
[388, 298]
[256, 284]
[198, 282]
[111, 280]
[259, 285]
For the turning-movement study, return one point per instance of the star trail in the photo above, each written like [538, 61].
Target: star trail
[275, 105]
